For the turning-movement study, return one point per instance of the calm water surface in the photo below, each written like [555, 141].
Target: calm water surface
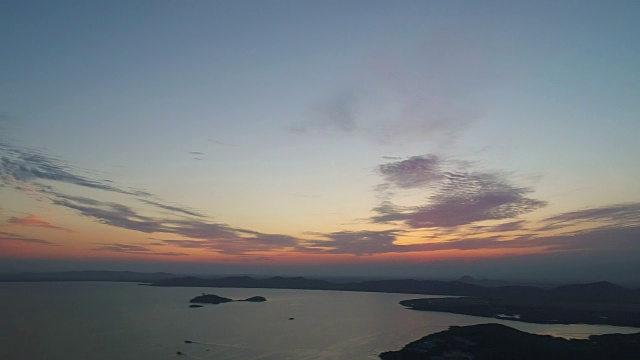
[98, 320]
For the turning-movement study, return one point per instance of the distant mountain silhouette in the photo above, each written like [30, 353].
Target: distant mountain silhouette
[483, 282]
[89, 275]
[465, 286]
[600, 291]
[249, 282]
[409, 286]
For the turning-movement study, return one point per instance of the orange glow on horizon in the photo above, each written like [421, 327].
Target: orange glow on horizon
[30, 251]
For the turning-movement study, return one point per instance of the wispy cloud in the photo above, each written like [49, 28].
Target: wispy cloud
[26, 166]
[617, 214]
[608, 239]
[504, 227]
[391, 117]
[34, 220]
[197, 155]
[338, 113]
[615, 230]
[384, 241]
[457, 198]
[134, 249]
[23, 167]
[240, 245]
[602, 240]
[122, 216]
[460, 197]
[203, 235]
[471, 197]
[355, 242]
[173, 208]
[427, 93]
[6, 236]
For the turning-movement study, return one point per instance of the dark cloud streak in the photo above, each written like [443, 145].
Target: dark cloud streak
[5, 236]
[240, 245]
[212, 236]
[134, 249]
[31, 167]
[28, 166]
[621, 214]
[33, 220]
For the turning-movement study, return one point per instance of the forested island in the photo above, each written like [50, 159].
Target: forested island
[499, 342]
[215, 299]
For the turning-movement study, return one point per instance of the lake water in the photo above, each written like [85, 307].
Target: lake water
[102, 320]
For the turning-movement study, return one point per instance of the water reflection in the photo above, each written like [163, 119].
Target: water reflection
[127, 321]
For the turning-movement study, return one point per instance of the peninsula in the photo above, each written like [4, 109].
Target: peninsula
[596, 303]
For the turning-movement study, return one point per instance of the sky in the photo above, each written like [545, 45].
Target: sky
[425, 139]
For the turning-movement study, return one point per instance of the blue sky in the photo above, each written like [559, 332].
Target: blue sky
[370, 135]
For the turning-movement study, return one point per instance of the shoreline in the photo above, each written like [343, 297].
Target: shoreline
[549, 313]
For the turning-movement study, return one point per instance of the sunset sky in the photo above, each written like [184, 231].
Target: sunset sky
[387, 138]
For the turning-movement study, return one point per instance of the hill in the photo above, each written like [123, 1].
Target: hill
[89, 275]
[499, 342]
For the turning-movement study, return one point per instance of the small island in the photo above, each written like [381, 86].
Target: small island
[500, 342]
[255, 299]
[215, 299]
[210, 299]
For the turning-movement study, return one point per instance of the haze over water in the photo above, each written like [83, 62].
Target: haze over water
[103, 320]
